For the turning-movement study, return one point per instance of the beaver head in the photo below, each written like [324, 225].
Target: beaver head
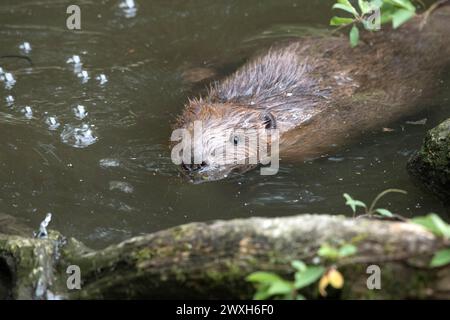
[220, 138]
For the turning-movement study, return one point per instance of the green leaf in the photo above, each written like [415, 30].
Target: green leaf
[261, 294]
[364, 6]
[280, 287]
[328, 252]
[307, 277]
[350, 201]
[299, 265]
[441, 258]
[347, 250]
[441, 225]
[263, 277]
[354, 37]
[434, 224]
[338, 21]
[384, 212]
[405, 4]
[346, 6]
[401, 16]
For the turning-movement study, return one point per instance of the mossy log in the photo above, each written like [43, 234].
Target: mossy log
[211, 260]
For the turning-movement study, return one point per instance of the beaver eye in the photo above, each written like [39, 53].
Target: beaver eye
[235, 140]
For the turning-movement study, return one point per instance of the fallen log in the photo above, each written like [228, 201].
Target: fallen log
[211, 260]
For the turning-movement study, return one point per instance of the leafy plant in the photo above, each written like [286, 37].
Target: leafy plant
[371, 15]
[440, 258]
[354, 204]
[433, 223]
[270, 285]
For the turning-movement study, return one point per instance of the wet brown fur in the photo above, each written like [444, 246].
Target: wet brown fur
[324, 93]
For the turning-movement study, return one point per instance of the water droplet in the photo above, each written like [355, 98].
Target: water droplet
[78, 137]
[28, 112]
[80, 112]
[84, 75]
[102, 79]
[129, 8]
[9, 80]
[25, 47]
[74, 60]
[9, 100]
[52, 123]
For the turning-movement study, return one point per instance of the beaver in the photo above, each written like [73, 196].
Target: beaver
[319, 93]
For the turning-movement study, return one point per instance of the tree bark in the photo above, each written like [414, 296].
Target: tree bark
[211, 260]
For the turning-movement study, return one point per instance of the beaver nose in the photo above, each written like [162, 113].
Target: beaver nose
[193, 167]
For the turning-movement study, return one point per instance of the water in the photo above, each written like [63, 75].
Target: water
[104, 170]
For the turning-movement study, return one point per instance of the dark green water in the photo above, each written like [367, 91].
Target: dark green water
[124, 184]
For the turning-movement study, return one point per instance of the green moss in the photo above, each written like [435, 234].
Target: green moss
[143, 254]
[431, 164]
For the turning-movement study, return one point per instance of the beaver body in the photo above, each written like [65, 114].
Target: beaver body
[321, 92]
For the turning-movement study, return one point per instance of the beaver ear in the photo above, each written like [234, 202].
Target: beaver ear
[269, 121]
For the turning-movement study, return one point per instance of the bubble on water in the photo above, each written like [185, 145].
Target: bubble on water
[28, 112]
[129, 8]
[80, 112]
[84, 76]
[25, 47]
[9, 100]
[102, 79]
[52, 123]
[78, 137]
[121, 186]
[109, 163]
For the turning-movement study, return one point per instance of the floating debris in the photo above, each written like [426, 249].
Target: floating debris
[336, 159]
[102, 79]
[121, 186]
[9, 100]
[109, 163]
[43, 234]
[80, 112]
[25, 47]
[418, 123]
[78, 137]
[129, 8]
[28, 112]
[84, 75]
[52, 123]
